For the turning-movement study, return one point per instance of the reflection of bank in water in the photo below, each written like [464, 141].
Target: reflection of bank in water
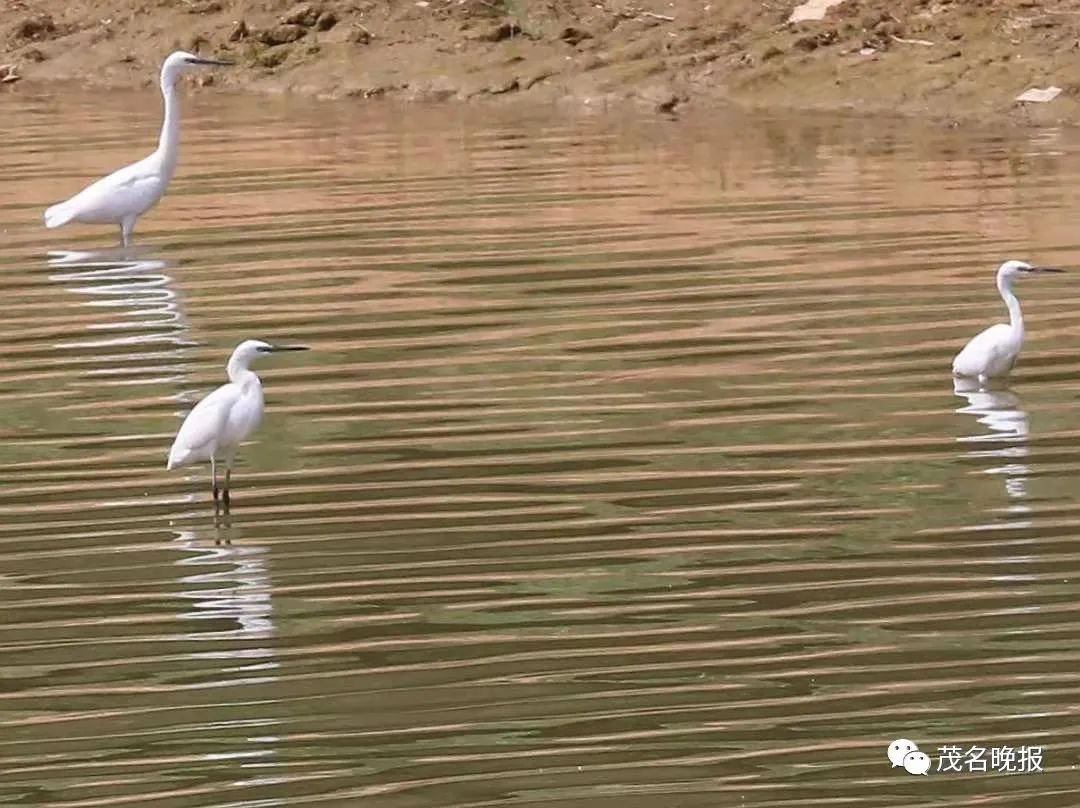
[1005, 435]
[138, 295]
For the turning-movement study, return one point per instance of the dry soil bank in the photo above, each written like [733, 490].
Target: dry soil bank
[946, 60]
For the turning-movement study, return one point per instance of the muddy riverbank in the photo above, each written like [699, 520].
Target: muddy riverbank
[945, 60]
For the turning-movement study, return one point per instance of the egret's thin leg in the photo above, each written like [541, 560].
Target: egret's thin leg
[228, 479]
[125, 230]
[213, 478]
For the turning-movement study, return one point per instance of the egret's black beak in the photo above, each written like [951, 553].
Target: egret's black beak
[199, 60]
[283, 348]
[1046, 269]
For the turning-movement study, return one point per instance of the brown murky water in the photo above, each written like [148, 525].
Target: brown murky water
[626, 468]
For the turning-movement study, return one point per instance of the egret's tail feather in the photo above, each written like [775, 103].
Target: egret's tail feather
[178, 457]
[57, 215]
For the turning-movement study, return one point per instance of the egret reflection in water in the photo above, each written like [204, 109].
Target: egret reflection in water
[138, 332]
[227, 591]
[1004, 434]
[137, 292]
[230, 582]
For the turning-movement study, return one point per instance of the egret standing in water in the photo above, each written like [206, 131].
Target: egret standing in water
[993, 352]
[126, 194]
[219, 423]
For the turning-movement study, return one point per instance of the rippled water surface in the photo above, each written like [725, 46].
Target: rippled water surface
[625, 469]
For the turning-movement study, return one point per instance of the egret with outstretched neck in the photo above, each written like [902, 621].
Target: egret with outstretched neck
[993, 352]
[126, 194]
[218, 424]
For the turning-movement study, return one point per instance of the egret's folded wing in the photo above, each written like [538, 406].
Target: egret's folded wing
[198, 435]
[983, 351]
[129, 190]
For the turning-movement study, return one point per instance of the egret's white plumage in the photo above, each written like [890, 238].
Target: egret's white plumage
[993, 352]
[218, 424]
[126, 194]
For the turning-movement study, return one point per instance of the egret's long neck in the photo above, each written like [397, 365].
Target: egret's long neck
[169, 142]
[1016, 317]
[239, 372]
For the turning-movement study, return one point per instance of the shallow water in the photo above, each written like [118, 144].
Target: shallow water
[626, 468]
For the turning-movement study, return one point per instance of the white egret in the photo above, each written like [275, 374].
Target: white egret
[126, 194]
[219, 423]
[993, 352]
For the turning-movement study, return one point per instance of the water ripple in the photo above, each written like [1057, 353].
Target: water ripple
[625, 468]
